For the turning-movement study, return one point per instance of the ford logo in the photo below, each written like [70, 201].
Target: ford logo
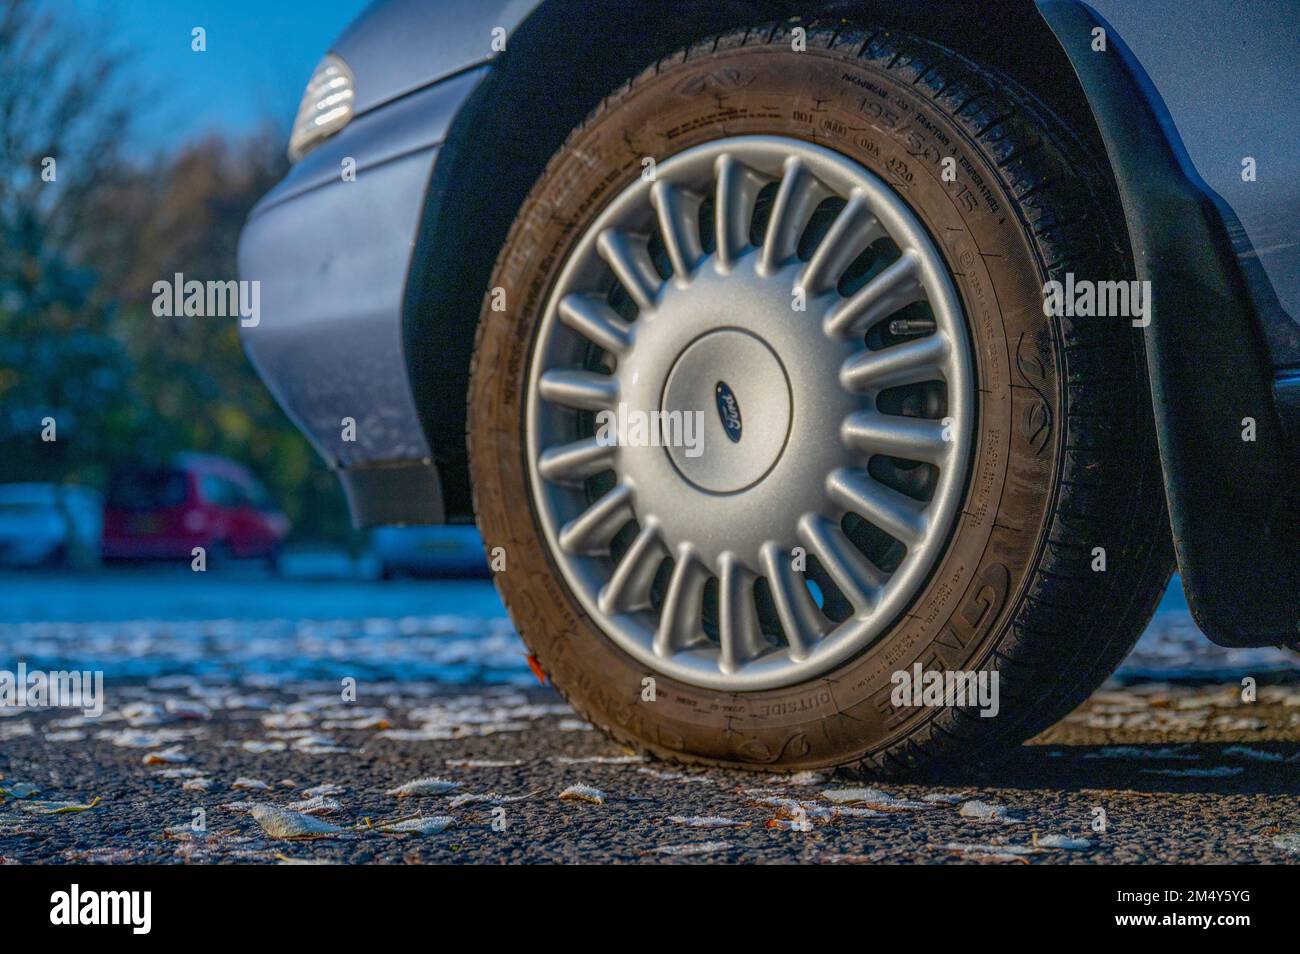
[728, 410]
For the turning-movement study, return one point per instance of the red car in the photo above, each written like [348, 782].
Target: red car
[198, 500]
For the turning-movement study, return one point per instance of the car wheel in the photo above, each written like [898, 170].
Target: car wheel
[831, 260]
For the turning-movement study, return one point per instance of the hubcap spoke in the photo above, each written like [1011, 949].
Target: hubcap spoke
[910, 362]
[857, 579]
[573, 463]
[740, 635]
[679, 224]
[629, 588]
[910, 438]
[581, 390]
[592, 530]
[680, 625]
[852, 231]
[896, 287]
[597, 322]
[796, 200]
[801, 620]
[897, 514]
[733, 208]
[631, 265]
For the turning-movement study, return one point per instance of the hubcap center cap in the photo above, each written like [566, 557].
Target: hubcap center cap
[729, 398]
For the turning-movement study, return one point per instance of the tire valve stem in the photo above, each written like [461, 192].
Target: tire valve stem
[911, 326]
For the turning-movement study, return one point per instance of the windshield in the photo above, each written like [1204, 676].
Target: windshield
[147, 490]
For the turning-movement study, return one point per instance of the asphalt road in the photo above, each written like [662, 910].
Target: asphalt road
[225, 739]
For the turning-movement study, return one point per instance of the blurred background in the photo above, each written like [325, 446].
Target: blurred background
[131, 157]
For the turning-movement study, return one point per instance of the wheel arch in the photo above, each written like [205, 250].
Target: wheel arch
[1209, 375]
[558, 65]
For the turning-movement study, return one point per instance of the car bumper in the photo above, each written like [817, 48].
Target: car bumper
[331, 255]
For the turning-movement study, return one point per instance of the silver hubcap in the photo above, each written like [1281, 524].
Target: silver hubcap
[749, 413]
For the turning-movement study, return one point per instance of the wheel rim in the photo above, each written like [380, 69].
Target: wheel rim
[830, 443]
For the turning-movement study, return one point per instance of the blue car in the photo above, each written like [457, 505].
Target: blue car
[838, 382]
[439, 551]
[53, 525]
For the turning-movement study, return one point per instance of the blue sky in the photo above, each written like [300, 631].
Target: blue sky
[260, 55]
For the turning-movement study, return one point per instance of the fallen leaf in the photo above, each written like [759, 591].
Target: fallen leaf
[56, 808]
[428, 825]
[281, 823]
[673, 776]
[424, 786]
[583, 793]
[258, 746]
[328, 788]
[696, 848]
[1063, 841]
[990, 851]
[287, 860]
[66, 735]
[317, 805]
[166, 756]
[1289, 842]
[872, 798]
[492, 797]
[982, 810]
[707, 821]
[187, 709]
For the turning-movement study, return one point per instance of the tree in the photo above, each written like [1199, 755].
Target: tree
[60, 120]
[84, 234]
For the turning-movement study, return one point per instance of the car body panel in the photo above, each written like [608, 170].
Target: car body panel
[1229, 79]
[331, 256]
[398, 46]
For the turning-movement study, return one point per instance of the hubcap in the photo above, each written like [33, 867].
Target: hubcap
[736, 458]
[749, 413]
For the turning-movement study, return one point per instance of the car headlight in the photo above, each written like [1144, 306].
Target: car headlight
[325, 109]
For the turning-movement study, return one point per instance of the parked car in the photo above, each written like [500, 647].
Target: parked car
[810, 356]
[440, 551]
[197, 500]
[49, 525]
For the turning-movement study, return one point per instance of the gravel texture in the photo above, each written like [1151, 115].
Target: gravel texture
[1182, 773]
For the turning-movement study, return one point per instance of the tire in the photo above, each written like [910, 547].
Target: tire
[1063, 456]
